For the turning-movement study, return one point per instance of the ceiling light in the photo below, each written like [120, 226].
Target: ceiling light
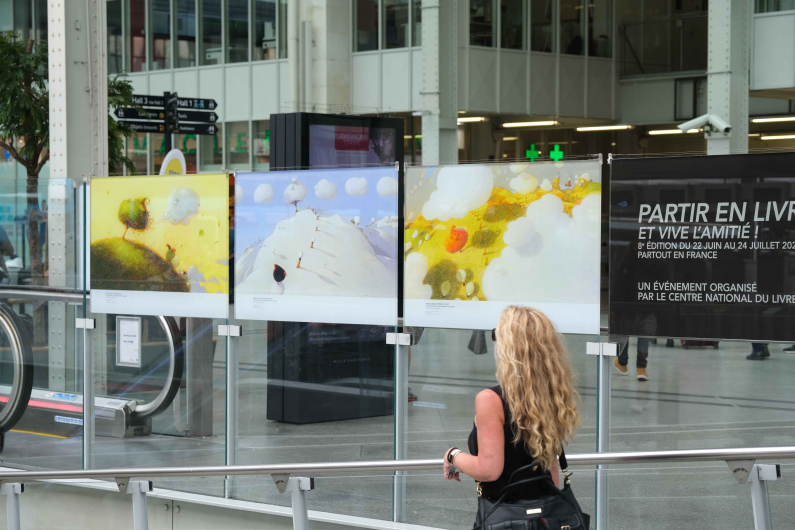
[510, 138]
[665, 131]
[769, 120]
[529, 124]
[471, 119]
[755, 134]
[779, 137]
[462, 112]
[605, 128]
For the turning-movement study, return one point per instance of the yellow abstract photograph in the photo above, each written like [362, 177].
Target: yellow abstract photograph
[160, 233]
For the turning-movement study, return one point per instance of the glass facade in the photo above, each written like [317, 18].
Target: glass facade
[542, 28]
[262, 144]
[211, 151]
[416, 30]
[571, 28]
[238, 144]
[482, 23]
[264, 30]
[769, 6]
[115, 32]
[186, 33]
[237, 23]
[396, 23]
[512, 24]
[136, 36]
[365, 25]
[211, 50]
[161, 34]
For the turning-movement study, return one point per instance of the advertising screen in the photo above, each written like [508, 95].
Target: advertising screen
[481, 237]
[317, 246]
[160, 245]
[703, 247]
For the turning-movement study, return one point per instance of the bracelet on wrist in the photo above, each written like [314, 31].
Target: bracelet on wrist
[454, 453]
[450, 454]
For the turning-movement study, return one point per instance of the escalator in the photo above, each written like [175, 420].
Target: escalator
[26, 408]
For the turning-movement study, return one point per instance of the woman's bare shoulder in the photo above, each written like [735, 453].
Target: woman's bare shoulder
[488, 398]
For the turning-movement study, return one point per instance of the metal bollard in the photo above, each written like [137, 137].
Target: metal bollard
[12, 492]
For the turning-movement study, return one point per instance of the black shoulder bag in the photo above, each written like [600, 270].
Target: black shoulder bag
[556, 511]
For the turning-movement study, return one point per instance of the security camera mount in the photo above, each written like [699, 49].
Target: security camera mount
[713, 126]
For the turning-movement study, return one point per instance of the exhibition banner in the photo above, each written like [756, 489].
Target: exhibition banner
[317, 246]
[480, 237]
[703, 247]
[160, 245]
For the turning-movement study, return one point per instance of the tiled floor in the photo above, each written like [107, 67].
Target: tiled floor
[702, 398]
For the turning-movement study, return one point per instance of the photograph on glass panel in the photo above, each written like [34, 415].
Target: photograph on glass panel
[160, 245]
[480, 237]
[317, 246]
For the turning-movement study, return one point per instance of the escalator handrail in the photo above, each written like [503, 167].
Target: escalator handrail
[22, 353]
[174, 378]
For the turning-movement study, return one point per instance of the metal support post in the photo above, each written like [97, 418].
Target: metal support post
[605, 352]
[402, 342]
[138, 489]
[759, 477]
[88, 391]
[199, 358]
[298, 486]
[231, 400]
[12, 492]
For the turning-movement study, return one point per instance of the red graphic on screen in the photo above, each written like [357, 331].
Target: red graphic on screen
[351, 138]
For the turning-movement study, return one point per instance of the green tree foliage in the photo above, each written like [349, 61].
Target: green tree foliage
[25, 124]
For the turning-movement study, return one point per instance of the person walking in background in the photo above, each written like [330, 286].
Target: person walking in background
[528, 417]
[641, 358]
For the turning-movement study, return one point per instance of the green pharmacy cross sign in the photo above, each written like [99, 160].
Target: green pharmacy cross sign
[534, 153]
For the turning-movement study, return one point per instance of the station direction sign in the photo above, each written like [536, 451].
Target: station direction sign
[182, 103]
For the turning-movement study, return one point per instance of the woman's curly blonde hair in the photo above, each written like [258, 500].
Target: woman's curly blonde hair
[534, 373]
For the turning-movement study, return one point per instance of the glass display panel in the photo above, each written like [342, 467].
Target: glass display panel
[159, 245]
[317, 246]
[703, 248]
[481, 237]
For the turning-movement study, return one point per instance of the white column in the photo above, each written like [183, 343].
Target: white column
[727, 73]
[439, 82]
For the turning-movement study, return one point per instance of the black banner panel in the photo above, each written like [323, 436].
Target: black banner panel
[703, 247]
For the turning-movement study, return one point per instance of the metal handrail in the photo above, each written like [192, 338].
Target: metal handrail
[585, 459]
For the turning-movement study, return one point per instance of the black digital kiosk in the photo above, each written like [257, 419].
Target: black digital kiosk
[325, 372]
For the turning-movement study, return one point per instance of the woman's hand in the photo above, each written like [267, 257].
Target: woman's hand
[448, 468]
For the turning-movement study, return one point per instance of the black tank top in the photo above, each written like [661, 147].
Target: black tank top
[516, 456]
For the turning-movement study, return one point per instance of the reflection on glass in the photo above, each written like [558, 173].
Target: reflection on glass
[365, 14]
[212, 151]
[187, 144]
[600, 28]
[115, 46]
[416, 31]
[135, 150]
[136, 46]
[157, 143]
[264, 30]
[542, 31]
[237, 35]
[769, 6]
[23, 19]
[571, 27]
[513, 23]
[161, 34]
[237, 138]
[186, 33]
[282, 29]
[396, 23]
[262, 144]
[211, 50]
[40, 23]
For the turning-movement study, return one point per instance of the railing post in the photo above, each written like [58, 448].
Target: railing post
[402, 341]
[138, 489]
[298, 486]
[760, 475]
[12, 492]
[230, 331]
[605, 353]
[88, 391]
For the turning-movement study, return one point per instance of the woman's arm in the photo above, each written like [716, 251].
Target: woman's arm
[489, 418]
[555, 472]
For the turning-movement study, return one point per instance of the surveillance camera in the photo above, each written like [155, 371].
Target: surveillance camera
[709, 122]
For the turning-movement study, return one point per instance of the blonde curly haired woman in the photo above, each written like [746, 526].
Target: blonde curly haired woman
[528, 416]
